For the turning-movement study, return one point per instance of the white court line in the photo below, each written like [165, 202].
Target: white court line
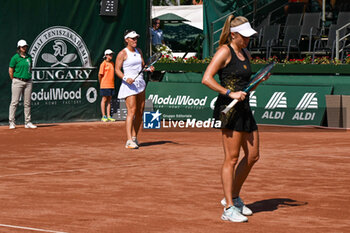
[30, 228]
[79, 170]
[48, 172]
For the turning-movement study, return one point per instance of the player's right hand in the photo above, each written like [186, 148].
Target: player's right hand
[239, 95]
[129, 80]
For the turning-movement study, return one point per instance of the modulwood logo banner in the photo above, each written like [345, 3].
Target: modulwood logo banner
[179, 101]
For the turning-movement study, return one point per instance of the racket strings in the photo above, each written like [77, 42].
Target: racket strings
[154, 58]
[259, 76]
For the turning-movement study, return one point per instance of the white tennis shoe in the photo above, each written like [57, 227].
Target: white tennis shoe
[30, 126]
[239, 204]
[131, 145]
[12, 126]
[233, 214]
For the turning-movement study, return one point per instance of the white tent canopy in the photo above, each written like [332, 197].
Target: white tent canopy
[193, 13]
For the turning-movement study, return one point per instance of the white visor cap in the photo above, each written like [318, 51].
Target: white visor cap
[244, 29]
[108, 51]
[132, 34]
[22, 43]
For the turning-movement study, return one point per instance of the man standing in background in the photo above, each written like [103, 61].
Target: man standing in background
[156, 33]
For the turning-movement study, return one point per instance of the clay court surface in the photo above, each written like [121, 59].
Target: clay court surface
[78, 177]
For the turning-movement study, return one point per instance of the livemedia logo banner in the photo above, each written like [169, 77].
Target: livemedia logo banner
[152, 120]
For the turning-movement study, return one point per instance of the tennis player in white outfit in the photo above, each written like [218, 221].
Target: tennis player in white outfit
[128, 64]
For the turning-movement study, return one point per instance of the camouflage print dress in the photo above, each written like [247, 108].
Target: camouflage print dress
[235, 76]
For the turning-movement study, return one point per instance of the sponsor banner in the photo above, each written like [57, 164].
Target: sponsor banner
[152, 121]
[63, 86]
[60, 95]
[289, 105]
[62, 102]
[271, 104]
[180, 101]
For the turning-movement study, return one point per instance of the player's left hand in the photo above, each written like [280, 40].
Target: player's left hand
[266, 77]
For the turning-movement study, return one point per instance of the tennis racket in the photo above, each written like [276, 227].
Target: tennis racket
[254, 81]
[150, 62]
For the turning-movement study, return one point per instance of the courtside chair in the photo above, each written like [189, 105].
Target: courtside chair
[293, 19]
[343, 18]
[270, 37]
[260, 29]
[346, 48]
[290, 41]
[311, 26]
[329, 47]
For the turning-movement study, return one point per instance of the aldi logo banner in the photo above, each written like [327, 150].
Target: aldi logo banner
[252, 99]
[278, 100]
[309, 101]
[290, 105]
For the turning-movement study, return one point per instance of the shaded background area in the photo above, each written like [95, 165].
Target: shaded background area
[183, 37]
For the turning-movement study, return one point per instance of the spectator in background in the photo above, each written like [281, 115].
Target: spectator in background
[106, 78]
[296, 6]
[156, 33]
[330, 2]
[342, 5]
[330, 7]
[20, 72]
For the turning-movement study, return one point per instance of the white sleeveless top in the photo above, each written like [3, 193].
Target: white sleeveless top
[132, 65]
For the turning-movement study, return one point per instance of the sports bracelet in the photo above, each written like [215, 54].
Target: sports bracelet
[228, 92]
[125, 78]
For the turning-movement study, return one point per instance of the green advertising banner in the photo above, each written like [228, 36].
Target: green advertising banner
[271, 104]
[64, 79]
[289, 105]
[66, 40]
[179, 101]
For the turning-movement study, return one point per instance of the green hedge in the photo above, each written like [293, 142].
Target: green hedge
[342, 69]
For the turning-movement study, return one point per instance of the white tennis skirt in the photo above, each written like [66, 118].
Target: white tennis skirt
[135, 88]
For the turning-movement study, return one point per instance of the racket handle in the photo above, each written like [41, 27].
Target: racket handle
[138, 74]
[228, 107]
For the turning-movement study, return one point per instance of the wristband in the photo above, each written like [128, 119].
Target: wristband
[228, 92]
[125, 78]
